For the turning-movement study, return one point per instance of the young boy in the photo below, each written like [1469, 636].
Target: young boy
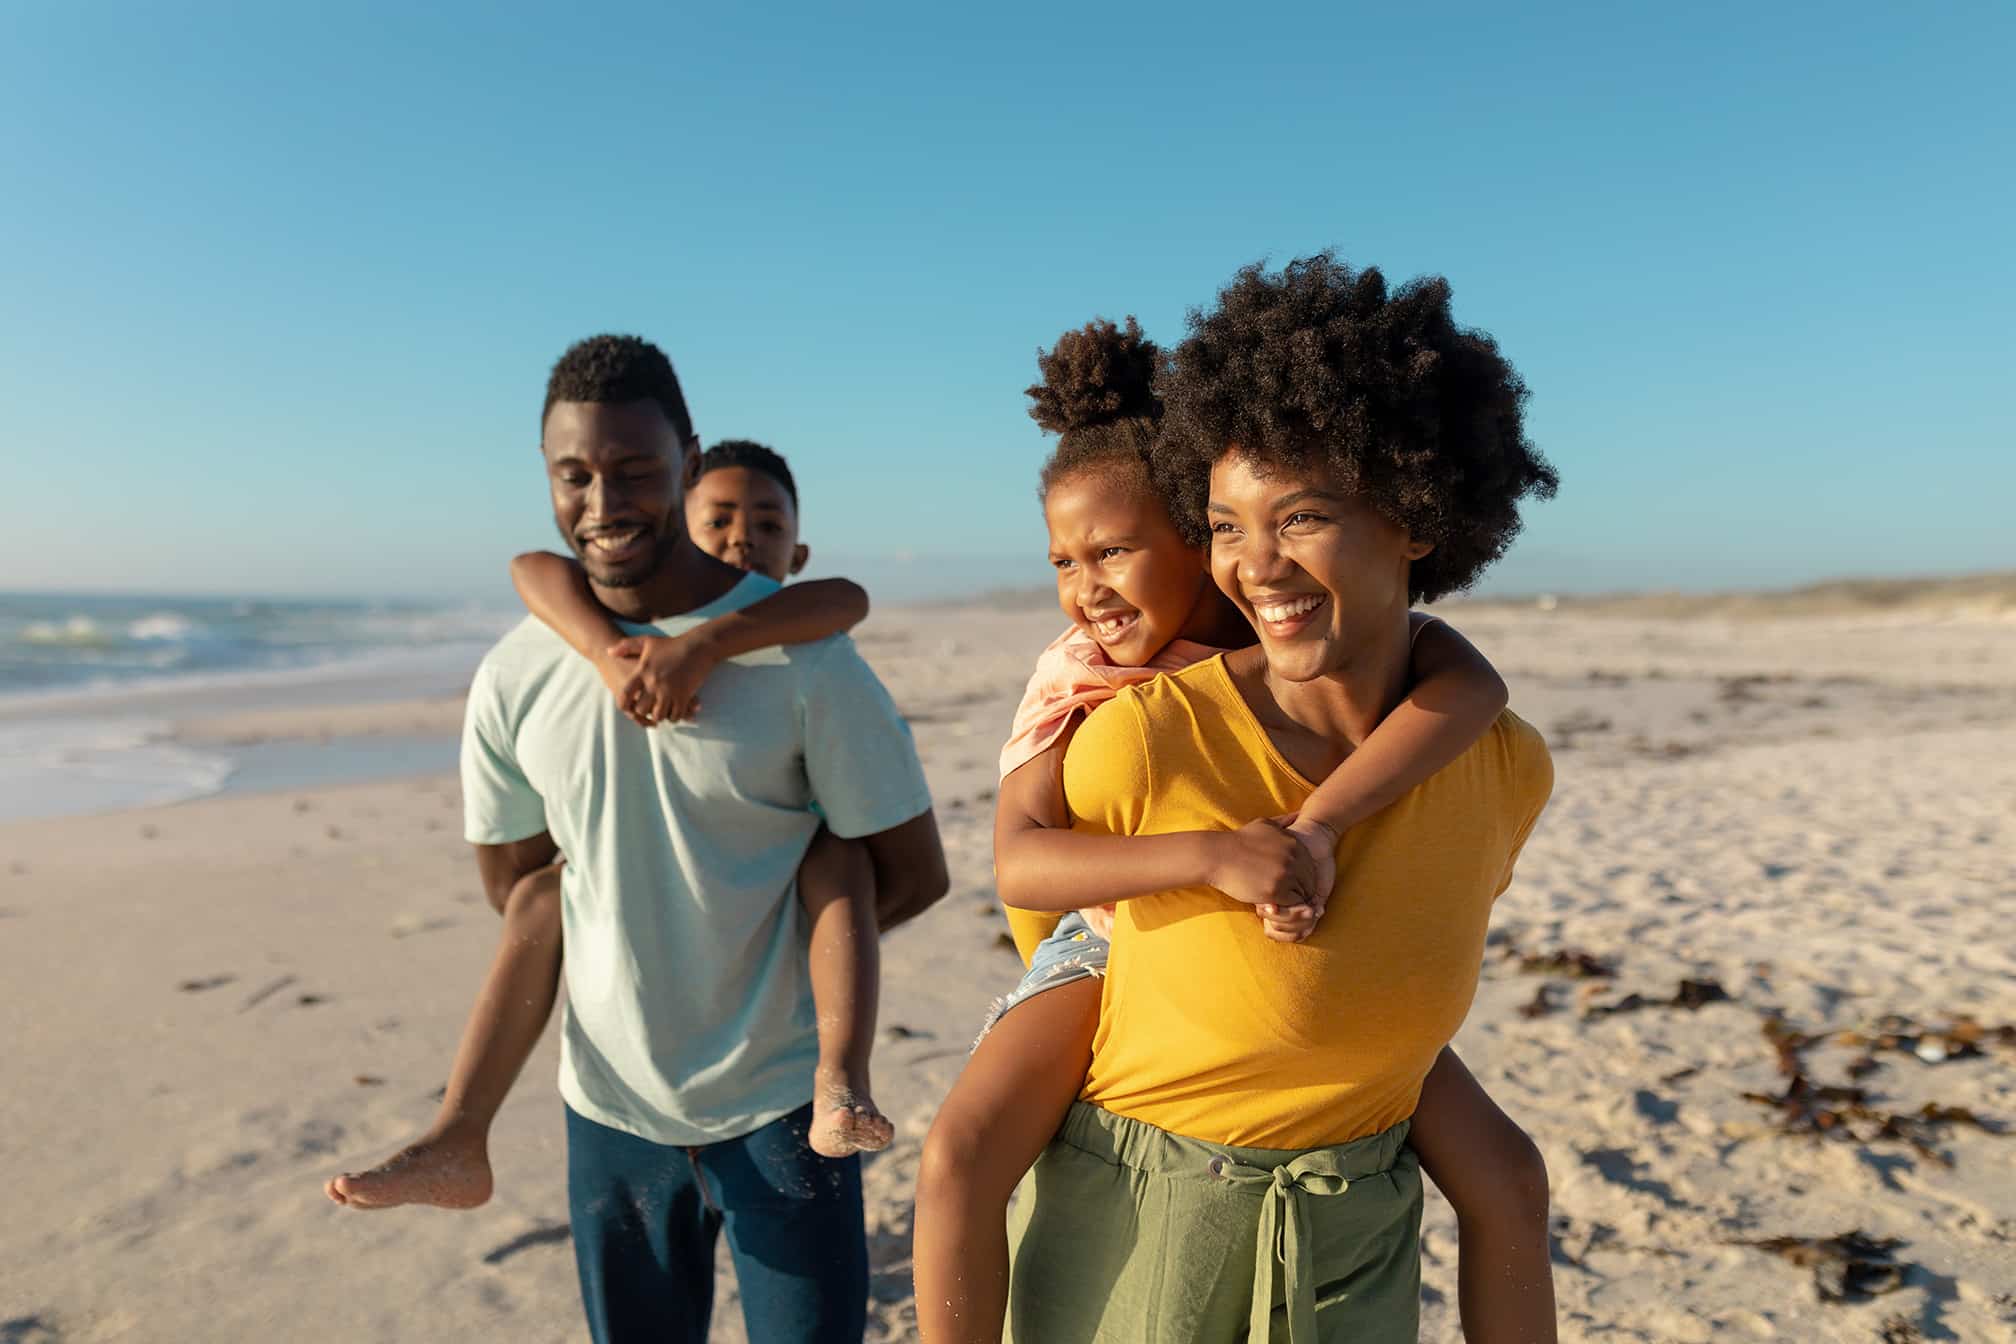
[743, 510]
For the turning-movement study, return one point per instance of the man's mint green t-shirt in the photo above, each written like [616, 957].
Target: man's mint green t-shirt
[688, 1013]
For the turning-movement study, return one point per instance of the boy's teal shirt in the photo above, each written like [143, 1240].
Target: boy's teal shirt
[688, 1014]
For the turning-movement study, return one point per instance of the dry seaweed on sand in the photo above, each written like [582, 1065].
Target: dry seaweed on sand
[1846, 1268]
[1691, 994]
[1568, 962]
[1827, 1110]
[1961, 1038]
[1791, 1044]
[1541, 1004]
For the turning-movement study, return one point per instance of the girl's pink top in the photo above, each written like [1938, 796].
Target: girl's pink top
[1074, 676]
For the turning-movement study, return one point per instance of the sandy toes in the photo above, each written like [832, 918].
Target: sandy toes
[845, 1119]
[444, 1171]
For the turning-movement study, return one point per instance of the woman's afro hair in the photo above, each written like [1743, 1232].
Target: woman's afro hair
[1098, 397]
[1320, 365]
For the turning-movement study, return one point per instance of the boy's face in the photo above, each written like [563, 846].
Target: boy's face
[742, 516]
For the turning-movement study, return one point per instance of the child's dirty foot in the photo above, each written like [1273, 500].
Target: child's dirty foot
[845, 1118]
[448, 1171]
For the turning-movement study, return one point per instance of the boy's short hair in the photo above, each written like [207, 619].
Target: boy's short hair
[610, 370]
[756, 457]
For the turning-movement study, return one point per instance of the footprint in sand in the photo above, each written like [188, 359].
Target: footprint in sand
[266, 992]
[208, 982]
[548, 1234]
[33, 1329]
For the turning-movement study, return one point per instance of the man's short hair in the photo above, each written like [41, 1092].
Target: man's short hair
[611, 370]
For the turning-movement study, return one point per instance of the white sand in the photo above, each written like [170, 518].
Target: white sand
[1834, 846]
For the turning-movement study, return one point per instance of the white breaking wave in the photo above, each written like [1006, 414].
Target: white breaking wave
[53, 767]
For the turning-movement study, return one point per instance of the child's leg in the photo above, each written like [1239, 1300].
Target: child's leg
[836, 884]
[1496, 1180]
[449, 1165]
[1001, 1113]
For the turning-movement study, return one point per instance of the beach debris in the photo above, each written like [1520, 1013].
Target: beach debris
[1668, 750]
[1562, 734]
[206, 983]
[266, 992]
[896, 1031]
[1961, 1038]
[1898, 1330]
[1541, 1004]
[310, 1000]
[1680, 1075]
[1829, 1110]
[1691, 995]
[1743, 690]
[1846, 1268]
[1006, 940]
[1568, 962]
[368, 1080]
[1791, 1044]
[149, 832]
[1824, 1109]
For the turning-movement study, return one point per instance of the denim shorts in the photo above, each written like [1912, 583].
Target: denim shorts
[1071, 952]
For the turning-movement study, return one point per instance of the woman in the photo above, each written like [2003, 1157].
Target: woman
[1238, 1162]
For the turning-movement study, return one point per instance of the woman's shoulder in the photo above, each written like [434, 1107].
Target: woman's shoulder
[1523, 756]
[1193, 702]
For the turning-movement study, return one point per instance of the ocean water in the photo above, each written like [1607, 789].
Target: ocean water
[91, 687]
[59, 643]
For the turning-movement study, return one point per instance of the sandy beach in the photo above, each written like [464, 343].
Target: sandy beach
[1753, 991]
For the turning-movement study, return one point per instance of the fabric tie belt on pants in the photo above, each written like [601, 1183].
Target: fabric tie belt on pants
[1284, 1234]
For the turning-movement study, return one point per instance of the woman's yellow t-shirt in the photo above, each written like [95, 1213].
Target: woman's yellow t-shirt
[1209, 1030]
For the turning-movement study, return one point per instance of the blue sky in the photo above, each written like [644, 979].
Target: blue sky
[279, 290]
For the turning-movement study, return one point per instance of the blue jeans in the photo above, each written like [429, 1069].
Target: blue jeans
[646, 1216]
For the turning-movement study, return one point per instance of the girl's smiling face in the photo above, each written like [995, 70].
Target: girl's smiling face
[1125, 576]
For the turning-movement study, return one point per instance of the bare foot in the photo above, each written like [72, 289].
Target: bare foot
[448, 1170]
[845, 1118]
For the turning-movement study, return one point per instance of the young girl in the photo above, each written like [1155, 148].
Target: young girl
[1141, 602]
[742, 510]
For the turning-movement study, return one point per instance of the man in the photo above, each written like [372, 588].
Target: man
[689, 1040]
[1237, 1168]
